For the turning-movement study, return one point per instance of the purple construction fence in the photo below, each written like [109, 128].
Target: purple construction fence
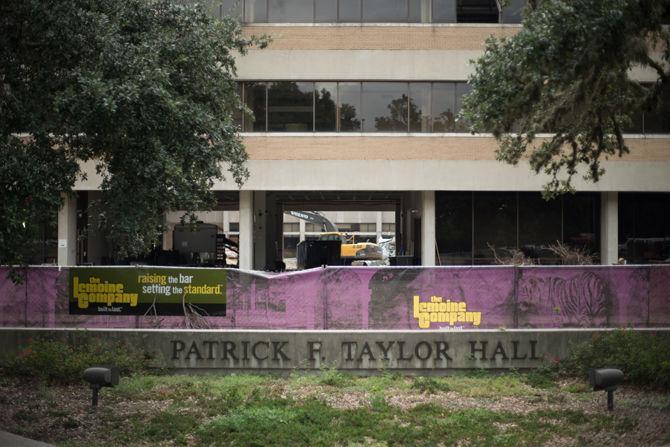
[385, 298]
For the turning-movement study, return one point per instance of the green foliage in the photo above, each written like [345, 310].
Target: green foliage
[142, 89]
[566, 71]
[333, 377]
[540, 380]
[64, 362]
[643, 356]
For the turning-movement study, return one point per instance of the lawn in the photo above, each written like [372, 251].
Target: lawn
[333, 408]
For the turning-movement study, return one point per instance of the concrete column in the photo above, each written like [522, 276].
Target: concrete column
[302, 229]
[246, 238]
[67, 231]
[609, 228]
[378, 224]
[260, 223]
[428, 228]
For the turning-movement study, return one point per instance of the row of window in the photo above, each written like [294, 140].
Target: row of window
[371, 11]
[286, 106]
[474, 227]
[353, 106]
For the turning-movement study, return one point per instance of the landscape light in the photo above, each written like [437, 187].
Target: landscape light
[606, 379]
[99, 376]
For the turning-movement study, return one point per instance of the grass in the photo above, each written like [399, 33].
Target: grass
[330, 409]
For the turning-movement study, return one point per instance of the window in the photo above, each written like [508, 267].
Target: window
[512, 13]
[255, 99]
[419, 107]
[444, 11]
[325, 103]
[255, 11]
[290, 244]
[453, 227]
[367, 228]
[540, 225]
[290, 107]
[325, 11]
[312, 228]
[385, 10]
[495, 225]
[384, 107]
[644, 227]
[388, 228]
[291, 227]
[477, 11]
[234, 227]
[349, 10]
[444, 106]
[233, 8]
[294, 11]
[350, 106]
[462, 89]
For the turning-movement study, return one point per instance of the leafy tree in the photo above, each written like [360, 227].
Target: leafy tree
[144, 89]
[566, 72]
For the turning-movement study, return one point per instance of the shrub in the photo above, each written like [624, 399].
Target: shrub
[59, 361]
[643, 356]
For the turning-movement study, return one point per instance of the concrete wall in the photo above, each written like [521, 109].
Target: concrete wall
[365, 352]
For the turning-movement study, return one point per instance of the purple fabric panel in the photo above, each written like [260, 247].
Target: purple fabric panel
[383, 298]
[582, 297]
[659, 296]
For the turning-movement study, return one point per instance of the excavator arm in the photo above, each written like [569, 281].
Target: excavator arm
[316, 218]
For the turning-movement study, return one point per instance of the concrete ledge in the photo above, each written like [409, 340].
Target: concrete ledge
[11, 440]
[363, 351]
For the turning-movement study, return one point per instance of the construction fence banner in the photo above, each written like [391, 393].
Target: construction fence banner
[343, 298]
[144, 291]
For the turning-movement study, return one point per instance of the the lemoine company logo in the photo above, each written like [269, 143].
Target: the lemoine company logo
[439, 311]
[96, 291]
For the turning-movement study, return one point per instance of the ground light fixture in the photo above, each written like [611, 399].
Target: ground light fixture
[606, 379]
[99, 376]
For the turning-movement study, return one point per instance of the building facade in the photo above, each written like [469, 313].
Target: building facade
[354, 110]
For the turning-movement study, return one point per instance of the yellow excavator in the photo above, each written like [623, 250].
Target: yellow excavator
[351, 250]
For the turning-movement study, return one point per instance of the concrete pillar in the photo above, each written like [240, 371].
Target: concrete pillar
[428, 228]
[67, 231]
[246, 237]
[302, 229]
[378, 224]
[609, 228]
[259, 237]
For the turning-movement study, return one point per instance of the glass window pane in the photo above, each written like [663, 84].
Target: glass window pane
[290, 11]
[444, 104]
[237, 112]
[255, 11]
[350, 10]
[325, 95]
[385, 11]
[444, 11]
[512, 12]
[254, 99]
[658, 120]
[232, 8]
[326, 11]
[477, 11]
[419, 11]
[419, 107]
[648, 241]
[384, 107]
[539, 226]
[453, 227]
[462, 89]
[495, 225]
[581, 221]
[290, 107]
[350, 106]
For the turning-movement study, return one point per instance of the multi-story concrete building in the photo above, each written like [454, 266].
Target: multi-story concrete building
[354, 106]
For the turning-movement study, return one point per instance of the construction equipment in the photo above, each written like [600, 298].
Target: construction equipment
[350, 250]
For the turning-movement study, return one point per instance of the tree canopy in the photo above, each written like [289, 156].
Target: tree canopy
[567, 72]
[144, 89]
